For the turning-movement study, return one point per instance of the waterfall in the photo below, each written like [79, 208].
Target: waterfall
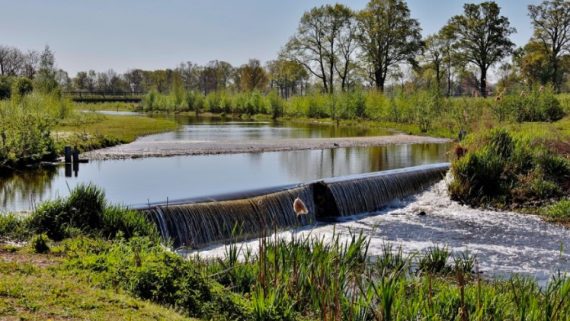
[198, 224]
[370, 192]
[250, 214]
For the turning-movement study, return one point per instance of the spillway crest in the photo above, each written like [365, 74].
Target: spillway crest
[196, 224]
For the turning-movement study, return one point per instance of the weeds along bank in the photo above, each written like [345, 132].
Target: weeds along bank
[35, 127]
[425, 111]
[304, 278]
[26, 123]
[112, 249]
[525, 167]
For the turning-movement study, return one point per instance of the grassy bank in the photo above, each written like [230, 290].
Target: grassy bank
[35, 127]
[524, 167]
[38, 287]
[92, 131]
[103, 262]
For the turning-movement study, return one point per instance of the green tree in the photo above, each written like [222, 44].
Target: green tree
[45, 79]
[287, 76]
[434, 56]
[388, 36]
[551, 21]
[482, 37]
[321, 44]
[533, 63]
[252, 76]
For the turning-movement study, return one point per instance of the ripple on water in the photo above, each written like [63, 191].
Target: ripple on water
[503, 242]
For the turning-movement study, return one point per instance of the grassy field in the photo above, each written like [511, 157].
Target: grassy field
[91, 131]
[38, 287]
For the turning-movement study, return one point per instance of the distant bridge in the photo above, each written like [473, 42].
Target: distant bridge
[103, 96]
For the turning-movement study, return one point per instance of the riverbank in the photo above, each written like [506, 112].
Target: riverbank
[40, 287]
[93, 131]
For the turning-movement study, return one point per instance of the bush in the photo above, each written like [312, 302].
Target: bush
[39, 244]
[13, 227]
[25, 128]
[86, 209]
[559, 211]
[5, 87]
[540, 104]
[147, 270]
[502, 170]
[276, 104]
[129, 223]
[20, 88]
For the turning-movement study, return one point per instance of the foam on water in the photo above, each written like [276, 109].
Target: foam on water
[503, 242]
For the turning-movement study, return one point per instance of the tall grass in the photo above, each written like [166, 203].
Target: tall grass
[25, 128]
[504, 168]
[427, 110]
[85, 211]
[311, 278]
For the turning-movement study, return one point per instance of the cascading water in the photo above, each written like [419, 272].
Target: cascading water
[367, 193]
[199, 223]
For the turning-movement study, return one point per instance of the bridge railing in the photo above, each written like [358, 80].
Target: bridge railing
[104, 96]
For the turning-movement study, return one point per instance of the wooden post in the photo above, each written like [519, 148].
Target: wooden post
[76, 155]
[67, 154]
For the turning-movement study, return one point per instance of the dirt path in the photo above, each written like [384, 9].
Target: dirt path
[141, 148]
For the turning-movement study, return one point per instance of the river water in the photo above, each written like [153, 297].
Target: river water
[143, 180]
[503, 243]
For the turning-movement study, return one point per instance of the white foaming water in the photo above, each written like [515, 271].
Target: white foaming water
[504, 243]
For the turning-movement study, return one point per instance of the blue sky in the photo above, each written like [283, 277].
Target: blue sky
[151, 34]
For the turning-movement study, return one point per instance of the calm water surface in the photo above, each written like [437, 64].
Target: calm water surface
[138, 181]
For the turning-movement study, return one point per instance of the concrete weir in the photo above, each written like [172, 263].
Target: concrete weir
[198, 222]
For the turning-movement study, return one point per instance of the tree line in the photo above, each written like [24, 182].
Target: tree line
[338, 48]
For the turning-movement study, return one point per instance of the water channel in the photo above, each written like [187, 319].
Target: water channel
[143, 180]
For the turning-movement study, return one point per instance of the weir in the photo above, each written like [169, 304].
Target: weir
[198, 224]
[237, 216]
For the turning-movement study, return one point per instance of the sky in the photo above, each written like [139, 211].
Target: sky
[153, 34]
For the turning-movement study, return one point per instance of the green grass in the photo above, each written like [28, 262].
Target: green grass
[522, 166]
[37, 287]
[111, 106]
[96, 131]
[559, 212]
[302, 278]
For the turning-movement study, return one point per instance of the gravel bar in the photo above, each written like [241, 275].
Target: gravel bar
[142, 148]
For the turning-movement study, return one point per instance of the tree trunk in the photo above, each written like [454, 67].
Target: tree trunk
[483, 83]
[379, 79]
[555, 79]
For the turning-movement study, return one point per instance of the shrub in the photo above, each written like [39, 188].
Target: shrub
[47, 218]
[86, 210]
[20, 88]
[559, 210]
[39, 244]
[129, 223]
[502, 170]
[540, 104]
[13, 227]
[147, 270]
[5, 87]
[276, 104]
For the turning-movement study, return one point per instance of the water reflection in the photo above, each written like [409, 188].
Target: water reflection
[138, 181]
[25, 188]
[215, 129]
